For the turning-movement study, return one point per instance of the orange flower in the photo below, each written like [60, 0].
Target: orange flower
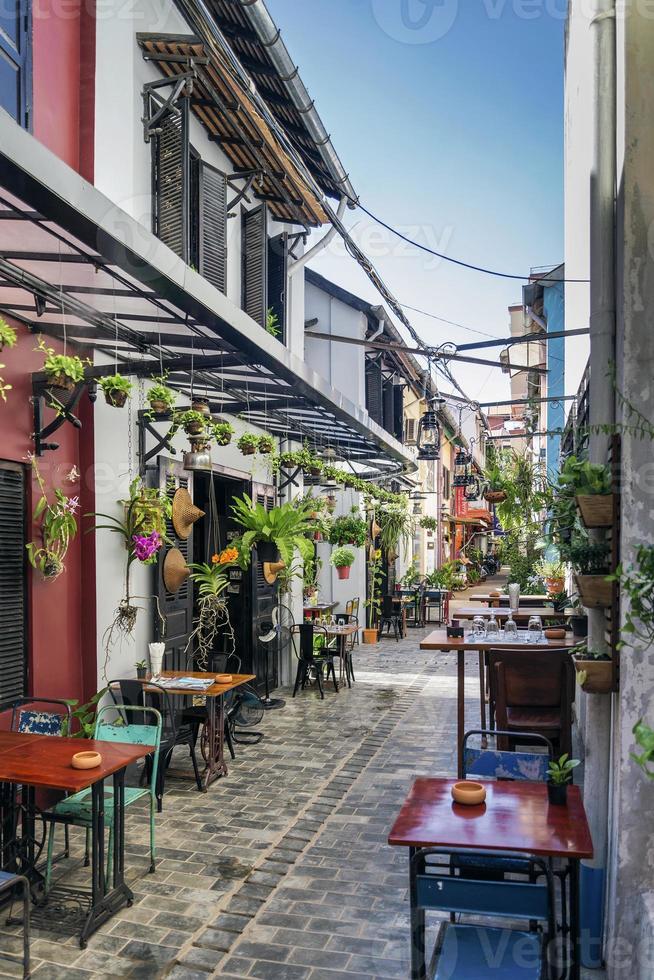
[228, 555]
[215, 559]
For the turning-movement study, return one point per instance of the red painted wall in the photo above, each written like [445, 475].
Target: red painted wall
[61, 613]
[63, 80]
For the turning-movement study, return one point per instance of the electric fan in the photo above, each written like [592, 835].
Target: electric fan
[279, 633]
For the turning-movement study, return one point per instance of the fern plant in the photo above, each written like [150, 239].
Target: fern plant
[287, 527]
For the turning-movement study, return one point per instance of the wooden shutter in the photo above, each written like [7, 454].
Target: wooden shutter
[213, 226]
[388, 404]
[398, 412]
[12, 581]
[177, 608]
[254, 264]
[277, 279]
[374, 383]
[170, 177]
[410, 432]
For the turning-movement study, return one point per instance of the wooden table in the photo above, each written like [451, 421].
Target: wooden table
[496, 600]
[469, 612]
[343, 632]
[439, 640]
[516, 817]
[215, 695]
[319, 609]
[41, 761]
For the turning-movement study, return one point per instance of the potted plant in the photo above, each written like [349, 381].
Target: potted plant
[349, 529]
[579, 621]
[310, 574]
[330, 502]
[636, 581]
[342, 560]
[194, 423]
[248, 443]
[560, 776]
[591, 484]
[266, 445]
[373, 602]
[161, 398]
[594, 670]
[287, 460]
[199, 403]
[221, 432]
[8, 335]
[279, 531]
[395, 527]
[272, 323]
[141, 669]
[211, 581]
[428, 523]
[62, 371]
[553, 574]
[494, 491]
[58, 526]
[116, 388]
[590, 561]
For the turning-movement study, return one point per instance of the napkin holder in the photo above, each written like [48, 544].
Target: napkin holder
[455, 632]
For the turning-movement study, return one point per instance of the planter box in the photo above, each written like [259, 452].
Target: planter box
[370, 636]
[597, 675]
[596, 509]
[595, 592]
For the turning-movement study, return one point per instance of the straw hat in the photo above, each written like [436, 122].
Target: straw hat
[271, 570]
[185, 513]
[175, 570]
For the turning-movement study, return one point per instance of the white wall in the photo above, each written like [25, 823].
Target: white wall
[343, 365]
[331, 588]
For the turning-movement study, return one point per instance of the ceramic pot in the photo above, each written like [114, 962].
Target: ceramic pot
[86, 760]
[370, 636]
[141, 672]
[554, 585]
[469, 793]
[557, 793]
[156, 651]
[579, 626]
[159, 407]
[343, 571]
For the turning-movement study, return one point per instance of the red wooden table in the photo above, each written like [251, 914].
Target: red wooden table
[516, 817]
[41, 761]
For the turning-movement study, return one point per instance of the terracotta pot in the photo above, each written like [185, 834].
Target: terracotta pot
[594, 676]
[370, 636]
[86, 760]
[495, 496]
[596, 509]
[595, 592]
[468, 793]
[557, 793]
[343, 571]
[116, 399]
[194, 428]
[248, 450]
[554, 585]
[159, 407]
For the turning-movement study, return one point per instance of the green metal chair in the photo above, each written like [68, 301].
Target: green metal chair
[76, 810]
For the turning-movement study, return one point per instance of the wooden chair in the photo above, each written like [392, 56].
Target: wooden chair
[533, 692]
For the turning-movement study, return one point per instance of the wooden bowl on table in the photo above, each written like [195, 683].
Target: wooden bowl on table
[86, 760]
[555, 633]
[468, 793]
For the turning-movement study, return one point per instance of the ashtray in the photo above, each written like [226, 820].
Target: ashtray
[554, 633]
[468, 793]
[224, 678]
[86, 760]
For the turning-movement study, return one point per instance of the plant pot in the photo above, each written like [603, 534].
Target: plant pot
[370, 636]
[201, 405]
[141, 673]
[194, 429]
[554, 585]
[594, 591]
[159, 407]
[59, 393]
[150, 517]
[557, 793]
[115, 398]
[495, 496]
[594, 676]
[223, 440]
[314, 470]
[317, 535]
[267, 551]
[343, 571]
[579, 626]
[248, 450]
[596, 509]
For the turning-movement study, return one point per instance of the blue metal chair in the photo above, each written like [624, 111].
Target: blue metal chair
[467, 951]
[10, 883]
[33, 720]
[75, 810]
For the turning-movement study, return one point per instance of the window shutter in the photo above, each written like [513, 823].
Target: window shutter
[15, 83]
[170, 174]
[398, 412]
[277, 273]
[374, 391]
[410, 437]
[213, 226]
[254, 264]
[388, 405]
[12, 582]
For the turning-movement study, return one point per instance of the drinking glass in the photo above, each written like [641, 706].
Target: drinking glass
[492, 628]
[479, 627]
[534, 629]
[510, 630]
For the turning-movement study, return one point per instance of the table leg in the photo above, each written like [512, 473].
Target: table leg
[216, 765]
[460, 708]
[418, 967]
[575, 939]
[482, 690]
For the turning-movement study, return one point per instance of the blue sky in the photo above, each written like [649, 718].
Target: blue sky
[448, 116]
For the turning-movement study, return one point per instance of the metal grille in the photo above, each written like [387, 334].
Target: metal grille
[213, 226]
[12, 582]
[254, 264]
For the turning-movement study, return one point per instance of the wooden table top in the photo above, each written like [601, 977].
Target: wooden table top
[44, 760]
[515, 817]
[211, 692]
[320, 607]
[503, 612]
[439, 640]
[346, 630]
[504, 597]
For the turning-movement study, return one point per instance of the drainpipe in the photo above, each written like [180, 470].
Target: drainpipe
[319, 246]
[597, 722]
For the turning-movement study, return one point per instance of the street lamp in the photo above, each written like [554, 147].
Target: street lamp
[461, 469]
[429, 437]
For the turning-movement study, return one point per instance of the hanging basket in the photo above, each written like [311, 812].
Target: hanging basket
[201, 405]
[594, 591]
[596, 509]
[148, 516]
[494, 496]
[594, 676]
[159, 407]
[343, 571]
[115, 397]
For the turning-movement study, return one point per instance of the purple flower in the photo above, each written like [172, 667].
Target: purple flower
[146, 546]
[71, 504]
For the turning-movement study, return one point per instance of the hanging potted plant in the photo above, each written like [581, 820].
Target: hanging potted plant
[248, 443]
[117, 389]
[349, 529]
[553, 574]
[395, 528]
[494, 490]
[590, 561]
[199, 403]
[161, 398]
[62, 371]
[8, 336]
[147, 510]
[275, 532]
[194, 423]
[58, 526]
[221, 432]
[342, 560]
[330, 502]
[591, 484]
[594, 670]
[211, 581]
[266, 444]
[560, 777]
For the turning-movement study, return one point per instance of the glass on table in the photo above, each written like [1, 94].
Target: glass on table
[479, 627]
[534, 629]
[510, 629]
[492, 628]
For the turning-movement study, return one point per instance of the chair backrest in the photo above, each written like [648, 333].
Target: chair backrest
[483, 763]
[349, 607]
[144, 730]
[342, 619]
[28, 717]
[131, 692]
[389, 606]
[304, 637]
[535, 679]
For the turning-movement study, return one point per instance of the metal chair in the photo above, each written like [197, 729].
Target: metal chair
[314, 654]
[391, 615]
[75, 810]
[345, 619]
[462, 949]
[38, 722]
[10, 883]
[196, 714]
[175, 729]
[352, 610]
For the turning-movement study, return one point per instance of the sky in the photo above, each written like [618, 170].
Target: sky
[448, 117]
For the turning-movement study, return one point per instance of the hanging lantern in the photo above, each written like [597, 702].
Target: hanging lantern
[473, 488]
[429, 437]
[417, 507]
[461, 469]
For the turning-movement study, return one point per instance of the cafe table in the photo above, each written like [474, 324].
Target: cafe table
[42, 762]
[503, 598]
[438, 640]
[342, 633]
[216, 765]
[515, 817]
[319, 609]
[519, 615]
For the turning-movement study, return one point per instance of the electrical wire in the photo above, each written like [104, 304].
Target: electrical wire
[449, 258]
[452, 323]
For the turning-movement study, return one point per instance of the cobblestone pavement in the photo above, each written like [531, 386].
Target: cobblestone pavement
[281, 871]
